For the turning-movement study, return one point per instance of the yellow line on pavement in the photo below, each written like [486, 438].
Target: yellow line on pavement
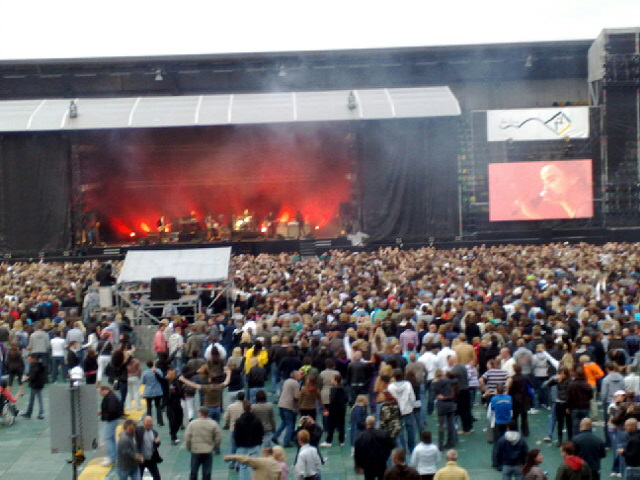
[94, 470]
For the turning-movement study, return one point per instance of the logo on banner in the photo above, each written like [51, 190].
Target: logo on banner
[537, 124]
[558, 123]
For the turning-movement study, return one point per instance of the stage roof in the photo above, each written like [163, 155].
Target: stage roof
[207, 110]
[197, 265]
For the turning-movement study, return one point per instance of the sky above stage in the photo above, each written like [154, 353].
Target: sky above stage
[86, 29]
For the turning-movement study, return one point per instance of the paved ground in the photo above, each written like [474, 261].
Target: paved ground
[25, 453]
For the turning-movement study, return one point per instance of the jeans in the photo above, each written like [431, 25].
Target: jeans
[473, 393]
[110, 439]
[275, 377]
[542, 394]
[133, 393]
[287, 420]
[126, 475]
[252, 393]
[204, 459]
[124, 389]
[354, 431]
[157, 401]
[445, 420]
[215, 413]
[58, 366]
[35, 393]
[511, 471]
[407, 425]
[430, 398]
[553, 419]
[266, 439]
[618, 460]
[246, 471]
[576, 416]
[177, 363]
[418, 419]
[233, 448]
[605, 419]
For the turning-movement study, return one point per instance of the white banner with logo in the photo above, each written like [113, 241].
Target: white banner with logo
[537, 124]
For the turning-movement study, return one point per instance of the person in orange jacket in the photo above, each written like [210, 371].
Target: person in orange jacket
[593, 373]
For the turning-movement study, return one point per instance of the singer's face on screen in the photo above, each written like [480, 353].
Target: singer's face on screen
[556, 183]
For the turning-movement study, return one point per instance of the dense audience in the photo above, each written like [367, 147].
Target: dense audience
[356, 346]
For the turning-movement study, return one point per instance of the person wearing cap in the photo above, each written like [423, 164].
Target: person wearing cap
[617, 412]
[612, 382]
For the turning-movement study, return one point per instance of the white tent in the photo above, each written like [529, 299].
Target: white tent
[195, 265]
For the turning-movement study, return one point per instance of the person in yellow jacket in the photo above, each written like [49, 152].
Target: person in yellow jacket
[255, 352]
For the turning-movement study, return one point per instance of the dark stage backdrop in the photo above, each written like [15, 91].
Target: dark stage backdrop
[34, 192]
[131, 178]
[409, 175]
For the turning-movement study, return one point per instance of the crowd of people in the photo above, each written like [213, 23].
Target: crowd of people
[397, 345]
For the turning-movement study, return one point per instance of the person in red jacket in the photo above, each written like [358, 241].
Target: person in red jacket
[572, 466]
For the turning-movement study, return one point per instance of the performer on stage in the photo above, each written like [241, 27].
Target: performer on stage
[163, 227]
[210, 225]
[300, 220]
[270, 223]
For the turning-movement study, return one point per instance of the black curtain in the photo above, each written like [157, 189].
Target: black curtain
[409, 179]
[34, 192]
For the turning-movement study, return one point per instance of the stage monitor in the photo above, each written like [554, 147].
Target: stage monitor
[540, 190]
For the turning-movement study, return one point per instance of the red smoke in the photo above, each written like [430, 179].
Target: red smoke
[135, 177]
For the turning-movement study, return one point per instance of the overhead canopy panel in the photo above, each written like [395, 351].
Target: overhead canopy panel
[183, 111]
[195, 265]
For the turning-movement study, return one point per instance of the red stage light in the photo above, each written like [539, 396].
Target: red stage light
[144, 227]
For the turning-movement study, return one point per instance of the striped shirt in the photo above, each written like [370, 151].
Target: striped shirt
[494, 377]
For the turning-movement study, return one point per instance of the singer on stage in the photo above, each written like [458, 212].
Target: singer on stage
[564, 194]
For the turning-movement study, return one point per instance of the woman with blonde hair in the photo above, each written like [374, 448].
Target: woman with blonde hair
[382, 383]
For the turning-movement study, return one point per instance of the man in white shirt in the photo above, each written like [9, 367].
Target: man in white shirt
[308, 463]
[443, 355]
[430, 361]
[58, 346]
[507, 361]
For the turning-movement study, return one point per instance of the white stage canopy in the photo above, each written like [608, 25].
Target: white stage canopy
[195, 265]
[237, 109]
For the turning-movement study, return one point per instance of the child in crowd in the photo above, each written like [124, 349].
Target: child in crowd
[474, 381]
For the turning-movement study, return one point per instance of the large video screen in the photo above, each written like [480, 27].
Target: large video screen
[540, 190]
